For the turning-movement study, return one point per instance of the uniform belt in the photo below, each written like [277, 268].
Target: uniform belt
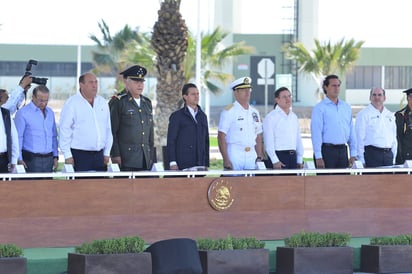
[383, 149]
[39, 155]
[333, 145]
[3, 154]
[291, 152]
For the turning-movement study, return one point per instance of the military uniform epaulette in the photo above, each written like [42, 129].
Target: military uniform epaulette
[228, 107]
[120, 95]
[146, 98]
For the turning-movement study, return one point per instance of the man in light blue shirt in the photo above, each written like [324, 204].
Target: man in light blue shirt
[332, 128]
[37, 133]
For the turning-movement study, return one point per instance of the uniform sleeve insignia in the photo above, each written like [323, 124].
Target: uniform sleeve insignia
[228, 107]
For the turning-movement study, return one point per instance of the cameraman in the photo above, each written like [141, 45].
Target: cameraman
[18, 95]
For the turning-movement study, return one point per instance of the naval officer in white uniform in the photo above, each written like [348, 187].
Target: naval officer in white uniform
[240, 130]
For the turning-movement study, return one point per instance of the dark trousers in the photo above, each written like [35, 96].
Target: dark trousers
[36, 162]
[288, 157]
[376, 157]
[4, 163]
[335, 156]
[85, 160]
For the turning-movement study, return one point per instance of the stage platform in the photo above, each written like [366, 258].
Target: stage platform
[54, 260]
[49, 217]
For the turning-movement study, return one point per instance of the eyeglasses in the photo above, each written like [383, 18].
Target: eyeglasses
[41, 100]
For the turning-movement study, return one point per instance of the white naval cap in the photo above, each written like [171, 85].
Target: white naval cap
[244, 82]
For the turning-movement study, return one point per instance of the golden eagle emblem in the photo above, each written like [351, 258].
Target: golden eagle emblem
[220, 194]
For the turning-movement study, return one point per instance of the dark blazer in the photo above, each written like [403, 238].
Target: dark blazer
[7, 126]
[187, 139]
[133, 132]
[403, 135]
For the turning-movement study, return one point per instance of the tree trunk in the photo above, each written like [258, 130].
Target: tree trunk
[169, 41]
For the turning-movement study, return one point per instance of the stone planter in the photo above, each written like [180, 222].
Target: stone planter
[137, 263]
[305, 260]
[386, 258]
[13, 265]
[238, 261]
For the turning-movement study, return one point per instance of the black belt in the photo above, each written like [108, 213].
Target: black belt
[27, 153]
[382, 149]
[88, 151]
[291, 152]
[3, 154]
[333, 145]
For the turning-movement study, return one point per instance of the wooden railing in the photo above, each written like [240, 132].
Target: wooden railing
[59, 212]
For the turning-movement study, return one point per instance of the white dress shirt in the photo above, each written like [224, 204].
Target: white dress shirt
[14, 140]
[375, 128]
[281, 131]
[15, 100]
[85, 127]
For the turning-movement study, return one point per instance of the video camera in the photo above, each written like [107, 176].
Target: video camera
[35, 80]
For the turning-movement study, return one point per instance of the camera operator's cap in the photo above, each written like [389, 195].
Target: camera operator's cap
[408, 91]
[244, 82]
[136, 73]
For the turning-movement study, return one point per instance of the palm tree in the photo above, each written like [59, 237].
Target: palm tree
[214, 56]
[325, 58]
[170, 42]
[113, 53]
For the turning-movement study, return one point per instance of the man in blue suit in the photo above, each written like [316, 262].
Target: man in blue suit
[188, 133]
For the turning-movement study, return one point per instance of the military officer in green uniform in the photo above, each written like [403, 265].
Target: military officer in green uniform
[132, 124]
[403, 119]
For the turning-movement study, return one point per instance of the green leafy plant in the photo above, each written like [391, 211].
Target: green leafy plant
[10, 250]
[315, 239]
[229, 243]
[113, 246]
[405, 239]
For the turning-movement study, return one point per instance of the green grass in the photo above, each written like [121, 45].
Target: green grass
[213, 141]
[216, 164]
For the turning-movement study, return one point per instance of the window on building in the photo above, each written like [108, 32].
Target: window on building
[364, 77]
[398, 77]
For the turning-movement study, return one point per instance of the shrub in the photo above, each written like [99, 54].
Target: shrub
[10, 250]
[229, 243]
[315, 239]
[112, 246]
[405, 239]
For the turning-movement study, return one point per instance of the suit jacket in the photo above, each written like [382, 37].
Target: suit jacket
[188, 139]
[7, 126]
[133, 132]
[404, 135]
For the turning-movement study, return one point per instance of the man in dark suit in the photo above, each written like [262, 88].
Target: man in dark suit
[403, 120]
[9, 147]
[132, 124]
[188, 133]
